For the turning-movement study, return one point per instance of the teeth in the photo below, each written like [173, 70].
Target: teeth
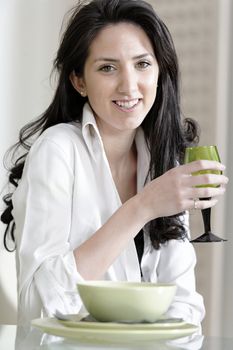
[127, 104]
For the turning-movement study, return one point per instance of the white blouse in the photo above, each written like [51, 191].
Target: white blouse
[65, 195]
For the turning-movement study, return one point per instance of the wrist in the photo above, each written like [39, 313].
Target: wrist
[140, 209]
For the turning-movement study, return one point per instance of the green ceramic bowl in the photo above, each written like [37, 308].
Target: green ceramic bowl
[126, 301]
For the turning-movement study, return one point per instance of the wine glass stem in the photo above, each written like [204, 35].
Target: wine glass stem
[206, 214]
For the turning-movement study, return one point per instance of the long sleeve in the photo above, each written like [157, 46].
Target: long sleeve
[176, 265]
[43, 207]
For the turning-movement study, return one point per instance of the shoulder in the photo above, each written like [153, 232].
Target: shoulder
[62, 133]
[63, 137]
[62, 141]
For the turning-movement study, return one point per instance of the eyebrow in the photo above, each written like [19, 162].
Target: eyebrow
[110, 59]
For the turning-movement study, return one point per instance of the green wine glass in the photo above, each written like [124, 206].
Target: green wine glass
[209, 153]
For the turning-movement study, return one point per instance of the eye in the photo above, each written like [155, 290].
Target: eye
[107, 68]
[143, 64]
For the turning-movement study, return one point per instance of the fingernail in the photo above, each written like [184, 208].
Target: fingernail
[223, 167]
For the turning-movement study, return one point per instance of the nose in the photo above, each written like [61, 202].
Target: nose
[128, 82]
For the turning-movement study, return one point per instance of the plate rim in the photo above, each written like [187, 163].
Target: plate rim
[115, 325]
[50, 323]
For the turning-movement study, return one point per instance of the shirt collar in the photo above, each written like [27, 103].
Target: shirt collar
[90, 132]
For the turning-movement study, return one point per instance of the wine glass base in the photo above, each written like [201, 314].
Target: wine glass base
[208, 237]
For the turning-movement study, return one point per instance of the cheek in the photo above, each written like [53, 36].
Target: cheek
[151, 89]
[96, 98]
[97, 87]
[150, 83]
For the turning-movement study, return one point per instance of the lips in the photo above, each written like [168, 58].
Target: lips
[127, 104]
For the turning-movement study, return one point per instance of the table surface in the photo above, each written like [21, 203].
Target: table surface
[29, 338]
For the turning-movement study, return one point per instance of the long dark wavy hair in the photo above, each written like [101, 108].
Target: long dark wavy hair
[165, 133]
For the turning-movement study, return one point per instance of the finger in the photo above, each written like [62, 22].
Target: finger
[206, 179]
[203, 204]
[198, 165]
[207, 192]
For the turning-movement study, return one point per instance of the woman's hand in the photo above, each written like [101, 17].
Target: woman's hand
[175, 190]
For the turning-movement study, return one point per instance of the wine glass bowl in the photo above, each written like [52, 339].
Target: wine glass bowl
[204, 153]
[200, 153]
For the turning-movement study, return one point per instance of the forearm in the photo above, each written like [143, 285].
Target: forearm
[95, 255]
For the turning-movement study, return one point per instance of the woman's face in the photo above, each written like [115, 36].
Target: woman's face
[120, 77]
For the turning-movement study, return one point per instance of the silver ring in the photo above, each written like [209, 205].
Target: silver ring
[195, 203]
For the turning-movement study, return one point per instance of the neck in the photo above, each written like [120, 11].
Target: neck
[119, 146]
[122, 157]
[121, 153]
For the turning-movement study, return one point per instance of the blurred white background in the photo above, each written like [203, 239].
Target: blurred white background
[29, 37]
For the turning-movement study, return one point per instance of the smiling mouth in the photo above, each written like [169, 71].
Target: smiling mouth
[127, 104]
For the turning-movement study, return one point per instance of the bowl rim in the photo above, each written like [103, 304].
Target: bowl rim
[125, 284]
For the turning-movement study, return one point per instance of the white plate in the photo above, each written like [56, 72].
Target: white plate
[79, 322]
[114, 332]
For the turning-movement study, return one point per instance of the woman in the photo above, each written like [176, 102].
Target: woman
[100, 194]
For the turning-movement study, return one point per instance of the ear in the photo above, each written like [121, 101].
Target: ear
[78, 83]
